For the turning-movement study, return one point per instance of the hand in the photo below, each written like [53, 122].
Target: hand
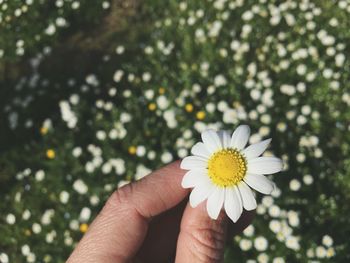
[150, 221]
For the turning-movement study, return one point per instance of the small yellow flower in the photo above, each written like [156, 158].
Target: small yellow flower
[236, 104]
[161, 90]
[47, 258]
[50, 154]
[27, 232]
[83, 227]
[152, 106]
[189, 107]
[44, 130]
[330, 252]
[200, 115]
[132, 150]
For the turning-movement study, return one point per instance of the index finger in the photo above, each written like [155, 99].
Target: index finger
[119, 230]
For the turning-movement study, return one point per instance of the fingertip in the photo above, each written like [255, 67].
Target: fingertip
[176, 164]
[201, 237]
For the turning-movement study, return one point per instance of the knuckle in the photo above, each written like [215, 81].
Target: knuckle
[120, 203]
[208, 244]
[121, 197]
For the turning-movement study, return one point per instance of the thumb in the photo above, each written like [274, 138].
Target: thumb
[201, 239]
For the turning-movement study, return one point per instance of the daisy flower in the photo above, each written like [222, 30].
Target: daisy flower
[222, 170]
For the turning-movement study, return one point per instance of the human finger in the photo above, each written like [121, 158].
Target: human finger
[159, 245]
[120, 229]
[201, 239]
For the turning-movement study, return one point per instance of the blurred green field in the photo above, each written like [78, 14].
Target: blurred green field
[95, 94]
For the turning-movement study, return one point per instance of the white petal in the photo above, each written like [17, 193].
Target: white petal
[233, 203]
[193, 178]
[256, 149]
[225, 138]
[193, 162]
[215, 202]
[265, 165]
[199, 149]
[200, 193]
[249, 202]
[239, 198]
[240, 137]
[211, 140]
[259, 183]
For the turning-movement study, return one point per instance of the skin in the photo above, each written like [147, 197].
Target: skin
[151, 221]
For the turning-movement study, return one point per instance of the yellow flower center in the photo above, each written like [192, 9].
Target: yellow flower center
[227, 167]
[132, 150]
[44, 130]
[50, 154]
[189, 107]
[200, 115]
[83, 227]
[152, 106]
